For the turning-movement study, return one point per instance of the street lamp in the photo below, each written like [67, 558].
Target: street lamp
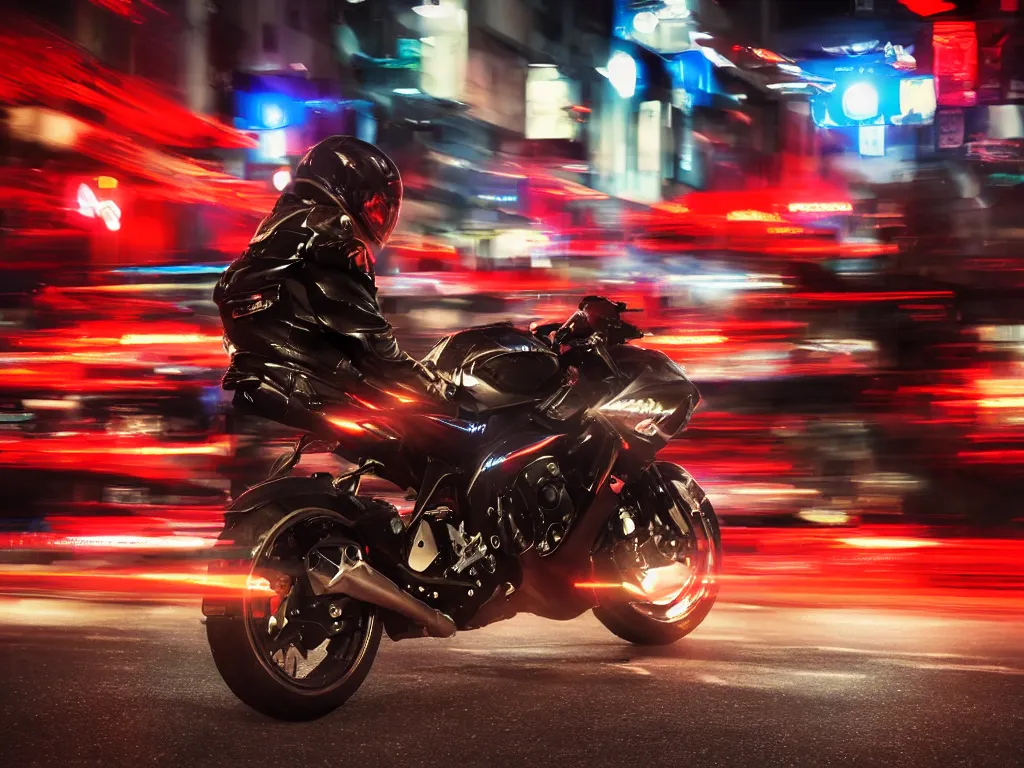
[622, 74]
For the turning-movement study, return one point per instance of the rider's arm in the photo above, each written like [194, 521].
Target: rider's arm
[339, 282]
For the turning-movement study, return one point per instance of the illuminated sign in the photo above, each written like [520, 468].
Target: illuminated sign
[872, 140]
[648, 137]
[955, 47]
[444, 49]
[917, 98]
[549, 98]
[950, 133]
[273, 145]
[663, 26]
[820, 208]
[104, 210]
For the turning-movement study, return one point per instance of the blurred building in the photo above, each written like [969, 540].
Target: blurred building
[483, 104]
[275, 72]
[165, 44]
[689, 103]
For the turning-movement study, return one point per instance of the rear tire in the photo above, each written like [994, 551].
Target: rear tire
[240, 658]
[254, 686]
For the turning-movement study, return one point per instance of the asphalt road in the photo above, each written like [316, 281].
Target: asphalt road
[107, 685]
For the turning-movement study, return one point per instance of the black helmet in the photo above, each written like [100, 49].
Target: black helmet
[344, 172]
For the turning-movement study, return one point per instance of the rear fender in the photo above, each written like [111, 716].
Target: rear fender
[250, 517]
[289, 491]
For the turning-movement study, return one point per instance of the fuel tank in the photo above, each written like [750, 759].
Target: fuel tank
[496, 366]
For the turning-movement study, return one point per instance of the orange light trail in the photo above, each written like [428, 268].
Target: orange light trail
[682, 341]
[132, 339]
[364, 403]
[882, 543]
[401, 398]
[631, 588]
[178, 582]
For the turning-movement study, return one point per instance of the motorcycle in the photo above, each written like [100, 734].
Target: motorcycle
[542, 494]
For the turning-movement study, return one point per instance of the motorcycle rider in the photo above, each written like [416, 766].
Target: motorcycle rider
[299, 307]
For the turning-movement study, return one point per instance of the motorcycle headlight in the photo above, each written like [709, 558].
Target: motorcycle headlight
[647, 416]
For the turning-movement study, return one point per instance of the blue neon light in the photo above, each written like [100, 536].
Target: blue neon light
[850, 104]
[270, 111]
[174, 269]
[693, 73]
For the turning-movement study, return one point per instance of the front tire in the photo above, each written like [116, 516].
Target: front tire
[622, 620]
[266, 677]
[648, 624]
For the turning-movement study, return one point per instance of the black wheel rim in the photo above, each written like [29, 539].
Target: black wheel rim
[310, 644]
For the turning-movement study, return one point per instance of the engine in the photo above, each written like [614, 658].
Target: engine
[539, 511]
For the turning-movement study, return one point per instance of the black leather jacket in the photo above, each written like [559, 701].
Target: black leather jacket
[301, 318]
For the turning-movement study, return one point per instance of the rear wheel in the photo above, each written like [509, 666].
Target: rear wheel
[660, 580]
[280, 648]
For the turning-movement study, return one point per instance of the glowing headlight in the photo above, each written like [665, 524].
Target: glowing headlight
[637, 407]
[860, 102]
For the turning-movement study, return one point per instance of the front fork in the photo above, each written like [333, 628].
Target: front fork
[657, 525]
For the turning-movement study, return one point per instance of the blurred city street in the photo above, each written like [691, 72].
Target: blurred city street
[810, 211]
[102, 684]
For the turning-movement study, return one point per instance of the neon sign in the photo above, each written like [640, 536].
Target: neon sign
[92, 208]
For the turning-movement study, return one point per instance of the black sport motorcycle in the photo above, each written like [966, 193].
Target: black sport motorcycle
[542, 495]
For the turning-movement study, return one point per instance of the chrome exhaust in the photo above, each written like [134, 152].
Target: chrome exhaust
[356, 578]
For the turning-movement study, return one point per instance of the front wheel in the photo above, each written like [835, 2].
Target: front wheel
[664, 555]
[280, 648]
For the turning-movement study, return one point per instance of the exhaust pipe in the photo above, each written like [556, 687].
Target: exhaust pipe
[356, 578]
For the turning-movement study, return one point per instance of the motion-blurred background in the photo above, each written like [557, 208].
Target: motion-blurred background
[817, 204]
